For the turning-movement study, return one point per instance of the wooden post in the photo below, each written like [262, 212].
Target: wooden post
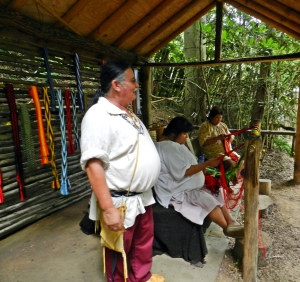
[218, 41]
[146, 84]
[251, 181]
[297, 147]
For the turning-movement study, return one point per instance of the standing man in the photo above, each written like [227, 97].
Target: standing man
[112, 138]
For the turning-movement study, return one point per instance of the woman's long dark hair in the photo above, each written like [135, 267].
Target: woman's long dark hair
[177, 126]
[215, 110]
[112, 70]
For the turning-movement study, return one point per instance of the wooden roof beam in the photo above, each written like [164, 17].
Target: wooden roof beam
[102, 29]
[188, 8]
[263, 59]
[181, 29]
[60, 36]
[46, 8]
[16, 4]
[143, 22]
[72, 13]
[273, 20]
[293, 4]
[281, 10]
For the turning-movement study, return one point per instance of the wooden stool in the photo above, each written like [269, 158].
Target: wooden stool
[265, 186]
[265, 205]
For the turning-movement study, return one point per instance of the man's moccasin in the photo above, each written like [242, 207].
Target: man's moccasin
[156, 278]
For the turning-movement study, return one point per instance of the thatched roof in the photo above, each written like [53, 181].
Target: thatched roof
[138, 27]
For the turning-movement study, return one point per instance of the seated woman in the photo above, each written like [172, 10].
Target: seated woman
[181, 181]
[212, 138]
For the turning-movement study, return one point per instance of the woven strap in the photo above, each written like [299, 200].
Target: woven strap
[49, 131]
[64, 183]
[44, 151]
[74, 121]
[70, 146]
[27, 137]
[47, 65]
[9, 90]
[78, 81]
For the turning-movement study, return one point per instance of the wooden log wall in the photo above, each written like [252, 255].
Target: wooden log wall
[22, 64]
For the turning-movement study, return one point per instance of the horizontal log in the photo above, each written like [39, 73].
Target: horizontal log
[271, 132]
[60, 36]
[36, 207]
[35, 217]
[262, 59]
[40, 197]
[43, 195]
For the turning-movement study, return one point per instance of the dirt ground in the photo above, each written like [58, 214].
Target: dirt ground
[282, 224]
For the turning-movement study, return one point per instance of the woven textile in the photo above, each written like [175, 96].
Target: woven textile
[9, 91]
[74, 121]
[78, 81]
[27, 138]
[44, 151]
[52, 94]
[64, 182]
[49, 131]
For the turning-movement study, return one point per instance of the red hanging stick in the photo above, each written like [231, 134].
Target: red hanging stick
[1, 188]
[9, 90]
[70, 147]
[44, 151]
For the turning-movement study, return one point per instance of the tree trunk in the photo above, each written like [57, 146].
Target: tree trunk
[194, 49]
[261, 93]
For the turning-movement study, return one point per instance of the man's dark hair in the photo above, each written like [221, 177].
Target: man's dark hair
[177, 126]
[112, 70]
[215, 110]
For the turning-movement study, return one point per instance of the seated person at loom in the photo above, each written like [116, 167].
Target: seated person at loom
[215, 139]
[181, 181]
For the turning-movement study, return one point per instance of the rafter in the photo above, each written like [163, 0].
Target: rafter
[101, 29]
[281, 9]
[16, 4]
[181, 29]
[64, 37]
[270, 21]
[156, 34]
[143, 22]
[72, 13]
[256, 10]
[45, 7]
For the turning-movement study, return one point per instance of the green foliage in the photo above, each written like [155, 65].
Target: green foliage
[281, 143]
[234, 87]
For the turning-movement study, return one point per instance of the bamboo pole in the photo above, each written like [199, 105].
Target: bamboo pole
[252, 151]
[297, 147]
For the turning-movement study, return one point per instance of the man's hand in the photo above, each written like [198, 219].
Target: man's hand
[113, 219]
